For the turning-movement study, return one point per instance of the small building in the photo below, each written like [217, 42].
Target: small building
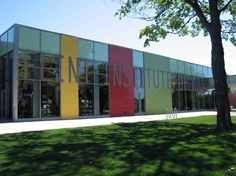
[48, 75]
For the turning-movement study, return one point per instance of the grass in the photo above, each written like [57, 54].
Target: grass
[173, 147]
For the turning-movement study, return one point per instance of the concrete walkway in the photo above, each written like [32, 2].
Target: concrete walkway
[17, 127]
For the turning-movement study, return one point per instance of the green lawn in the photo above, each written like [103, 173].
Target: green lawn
[175, 147]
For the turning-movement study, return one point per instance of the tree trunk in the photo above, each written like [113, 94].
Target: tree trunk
[220, 79]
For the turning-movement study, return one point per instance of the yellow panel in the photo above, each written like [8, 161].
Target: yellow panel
[69, 89]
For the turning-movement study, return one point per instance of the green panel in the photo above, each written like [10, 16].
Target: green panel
[85, 49]
[138, 59]
[29, 38]
[3, 46]
[100, 52]
[187, 68]
[10, 39]
[50, 42]
[157, 98]
[181, 67]
[173, 66]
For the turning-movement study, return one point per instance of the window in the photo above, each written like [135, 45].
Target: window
[86, 93]
[50, 99]
[51, 67]
[173, 66]
[50, 42]
[29, 38]
[101, 73]
[100, 52]
[85, 49]
[138, 59]
[28, 99]
[10, 39]
[181, 67]
[3, 43]
[29, 65]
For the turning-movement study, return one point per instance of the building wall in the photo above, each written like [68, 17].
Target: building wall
[232, 99]
[121, 81]
[158, 96]
[69, 88]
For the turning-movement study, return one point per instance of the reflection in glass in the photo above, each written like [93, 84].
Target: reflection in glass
[86, 100]
[10, 39]
[30, 59]
[104, 100]
[6, 86]
[50, 99]
[138, 90]
[50, 42]
[33, 73]
[29, 38]
[182, 100]
[100, 52]
[28, 99]
[175, 99]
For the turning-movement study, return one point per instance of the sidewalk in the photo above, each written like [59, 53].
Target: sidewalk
[17, 127]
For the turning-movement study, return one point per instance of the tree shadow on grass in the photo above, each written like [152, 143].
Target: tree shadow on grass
[150, 148]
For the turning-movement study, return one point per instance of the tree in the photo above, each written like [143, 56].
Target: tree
[216, 18]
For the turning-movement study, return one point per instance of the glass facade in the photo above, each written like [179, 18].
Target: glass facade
[93, 75]
[191, 87]
[138, 82]
[157, 82]
[6, 83]
[38, 74]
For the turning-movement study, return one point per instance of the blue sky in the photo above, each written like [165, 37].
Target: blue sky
[95, 20]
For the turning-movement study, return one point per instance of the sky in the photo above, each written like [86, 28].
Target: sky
[95, 20]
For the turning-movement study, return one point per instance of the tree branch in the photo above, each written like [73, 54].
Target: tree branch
[199, 13]
[183, 25]
[226, 6]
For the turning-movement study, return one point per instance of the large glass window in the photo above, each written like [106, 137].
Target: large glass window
[50, 42]
[100, 52]
[173, 66]
[28, 99]
[50, 99]
[138, 82]
[3, 42]
[205, 72]
[39, 86]
[29, 65]
[10, 39]
[93, 78]
[29, 38]
[200, 70]
[85, 49]
[86, 94]
[51, 67]
[101, 73]
[6, 86]
[138, 59]
[187, 68]
[181, 67]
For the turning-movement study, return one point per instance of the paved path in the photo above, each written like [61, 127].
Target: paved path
[17, 127]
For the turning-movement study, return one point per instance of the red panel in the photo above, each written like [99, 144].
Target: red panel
[121, 81]
[232, 99]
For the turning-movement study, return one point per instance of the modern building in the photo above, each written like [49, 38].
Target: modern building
[48, 75]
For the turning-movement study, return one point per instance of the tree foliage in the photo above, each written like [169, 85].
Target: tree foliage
[182, 17]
